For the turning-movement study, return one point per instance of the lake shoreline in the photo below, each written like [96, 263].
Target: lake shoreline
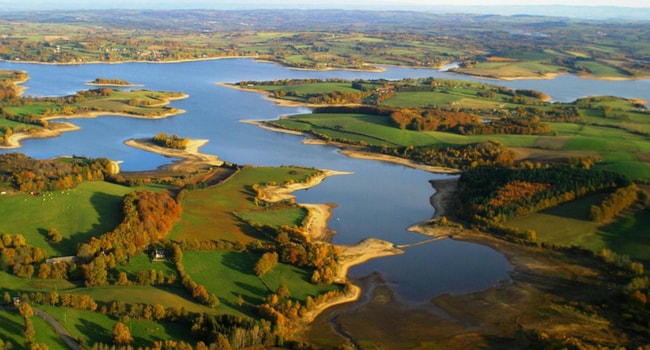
[14, 140]
[357, 151]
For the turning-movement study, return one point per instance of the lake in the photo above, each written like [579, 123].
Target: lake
[379, 200]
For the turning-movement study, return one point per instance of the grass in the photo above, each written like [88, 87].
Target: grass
[630, 235]
[46, 335]
[209, 214]
[89, 210]
[568, 225]
[142, 262]
[235, 278]
[518, 69]
[94, 327]
[564, 225]
[12, 329]
[291, 216]
[12, 284]
[166, 296]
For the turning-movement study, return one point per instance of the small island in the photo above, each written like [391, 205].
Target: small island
[110, 82]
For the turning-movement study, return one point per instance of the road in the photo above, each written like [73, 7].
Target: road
[58, 328]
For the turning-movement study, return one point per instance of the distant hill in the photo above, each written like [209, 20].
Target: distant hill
[586, 12]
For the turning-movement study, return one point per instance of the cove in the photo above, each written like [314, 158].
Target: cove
[379, 200]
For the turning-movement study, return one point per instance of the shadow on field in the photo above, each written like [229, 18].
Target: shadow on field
[241, 262]
[94, 331]
[108, 212]
[9, 326]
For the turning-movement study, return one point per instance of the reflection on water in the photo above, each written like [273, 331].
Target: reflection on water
[378, 200]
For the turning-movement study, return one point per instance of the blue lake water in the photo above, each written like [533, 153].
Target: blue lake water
[379, 200]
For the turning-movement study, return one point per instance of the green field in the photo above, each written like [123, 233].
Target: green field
[46, 335]
[619, 149]
[13, 285]
[529, 68]
[568, 224]
[142, 262]
[212, 213]
[12, 329]
[230, 275]
[94, 327]
[167, 296]
[86, 211]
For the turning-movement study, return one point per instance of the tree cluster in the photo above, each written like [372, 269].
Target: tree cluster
[616, 202]
[170, 141]
[17, 257]
[489, 153]
[492, 195]
[104, 81]
[27, 174]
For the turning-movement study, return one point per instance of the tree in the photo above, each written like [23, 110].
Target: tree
[283, 292]
[54, 236]
[121, 334]
[266, 263]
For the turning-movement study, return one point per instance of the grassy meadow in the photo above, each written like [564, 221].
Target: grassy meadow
[237, 279]
[86, 211]
[94, 327]
[620, 141]
[214, 213]
[568, 225]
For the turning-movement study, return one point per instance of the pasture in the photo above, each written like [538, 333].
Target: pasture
[568, 224]
[12, 329]
[175, 296]
[230, 275]
[94, 327]
[88, 210]
[214, 213]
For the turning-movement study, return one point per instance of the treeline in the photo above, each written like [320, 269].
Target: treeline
[170, 141]
[104, 81]
[209, 331]
[614, 203]
[489, 153]
[27, 174]
[491, 195]
[197, 291]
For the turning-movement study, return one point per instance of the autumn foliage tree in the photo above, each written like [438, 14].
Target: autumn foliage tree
[121, 334]
[266, 263]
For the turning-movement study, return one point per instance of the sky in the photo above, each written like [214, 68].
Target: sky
[296, 4]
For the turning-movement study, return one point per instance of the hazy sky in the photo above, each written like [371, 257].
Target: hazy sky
[250, 4]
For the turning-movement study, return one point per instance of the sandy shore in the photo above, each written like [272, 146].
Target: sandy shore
[317, 229]
[191, 156]
[351, 255]
[354, 153]
[57, 130]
